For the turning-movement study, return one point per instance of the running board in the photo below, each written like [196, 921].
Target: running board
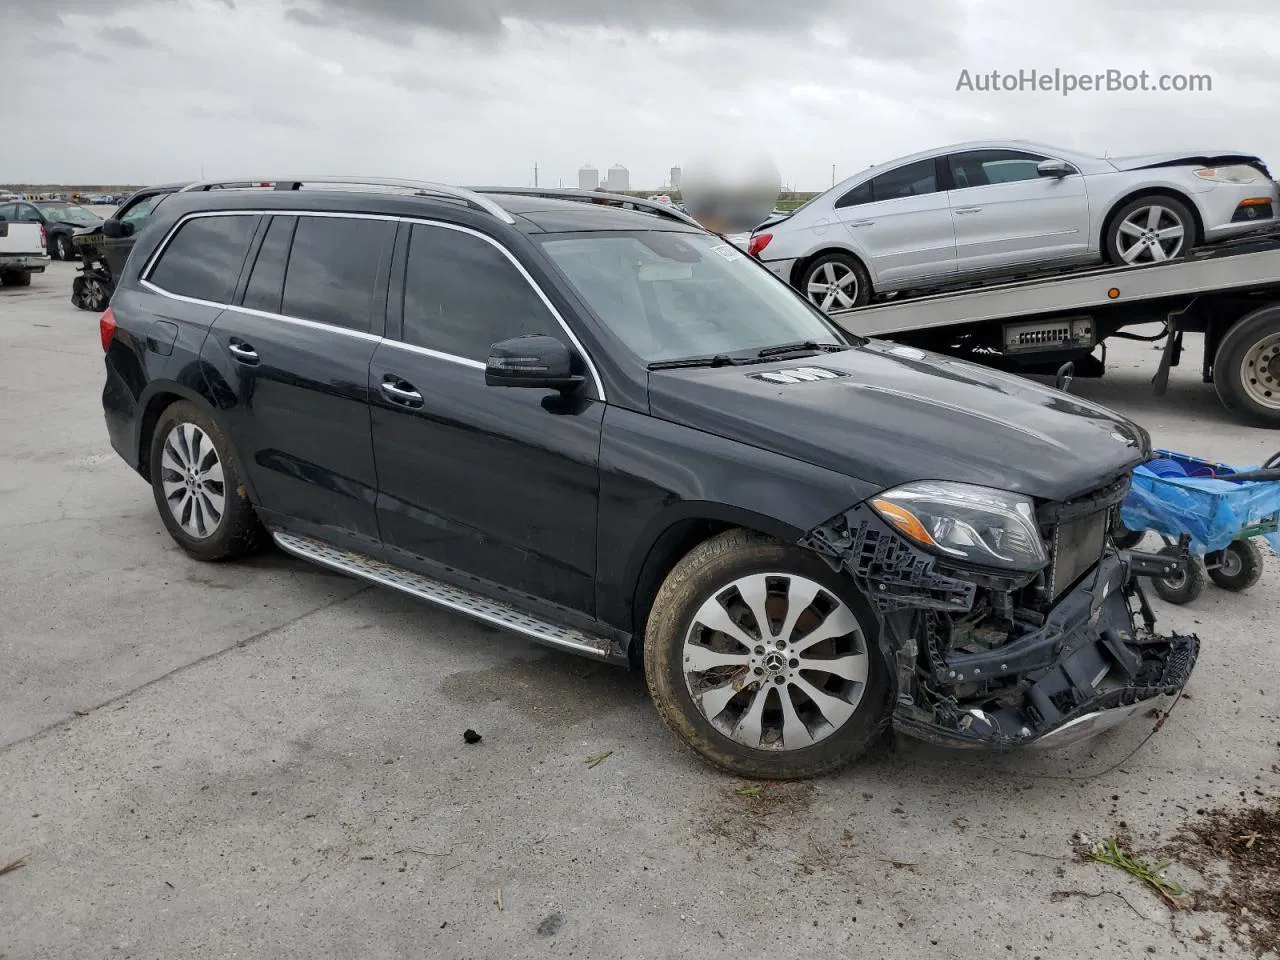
[445, 595]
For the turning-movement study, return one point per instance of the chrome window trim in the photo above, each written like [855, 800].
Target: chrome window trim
[437, 354]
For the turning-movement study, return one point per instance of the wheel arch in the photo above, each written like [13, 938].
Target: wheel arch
[1138, 194]
[670, 537]
[802, 263]
[155, 400]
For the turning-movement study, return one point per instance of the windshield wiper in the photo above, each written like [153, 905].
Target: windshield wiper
[718, 360]
[802, 345]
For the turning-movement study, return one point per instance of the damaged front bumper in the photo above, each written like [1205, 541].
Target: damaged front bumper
[977, 663]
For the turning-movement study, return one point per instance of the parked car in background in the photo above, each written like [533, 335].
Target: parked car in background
[22, 247]
[103, 248]
[1003, 206]
[59, 219]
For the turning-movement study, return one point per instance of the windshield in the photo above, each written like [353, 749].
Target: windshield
[669, 296]
[68, 212]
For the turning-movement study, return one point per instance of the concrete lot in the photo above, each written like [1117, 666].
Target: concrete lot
[264, 760]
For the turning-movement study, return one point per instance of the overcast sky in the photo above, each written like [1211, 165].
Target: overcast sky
[478, 91]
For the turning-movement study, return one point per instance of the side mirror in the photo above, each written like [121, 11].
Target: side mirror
[532, 361]
[115, 229]
[1053, 168]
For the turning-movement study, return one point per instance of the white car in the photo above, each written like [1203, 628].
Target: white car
[1003, 206]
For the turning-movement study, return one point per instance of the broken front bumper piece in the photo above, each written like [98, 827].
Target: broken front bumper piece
[1043, 674]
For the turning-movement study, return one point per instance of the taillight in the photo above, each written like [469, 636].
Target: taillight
[107, 328]
[44, 237]
[758, 242]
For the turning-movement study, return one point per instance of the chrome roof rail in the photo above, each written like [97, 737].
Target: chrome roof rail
[423, 188]
[587, 196]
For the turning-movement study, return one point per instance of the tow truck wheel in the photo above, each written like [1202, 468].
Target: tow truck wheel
[1246, 368]
[1236, 568]
[1185, 586]
[835, 281]
[764, 660]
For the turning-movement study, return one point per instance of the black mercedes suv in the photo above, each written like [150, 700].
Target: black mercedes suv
[584, 419]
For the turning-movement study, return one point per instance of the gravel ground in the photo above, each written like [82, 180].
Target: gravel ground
[266, 760]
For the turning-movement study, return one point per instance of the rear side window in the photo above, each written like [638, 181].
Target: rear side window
[333, 267]
[910, 181]
[462, 295]
[858, 195]
[266, 282]
[204, 258]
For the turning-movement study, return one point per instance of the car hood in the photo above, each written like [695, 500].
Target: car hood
[886, 415]
[1209, 158]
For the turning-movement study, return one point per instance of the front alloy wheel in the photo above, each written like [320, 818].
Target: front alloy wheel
[1151, 230]
[764, 660]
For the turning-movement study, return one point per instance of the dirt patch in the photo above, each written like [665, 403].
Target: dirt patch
[747, 814]
[1243, 847]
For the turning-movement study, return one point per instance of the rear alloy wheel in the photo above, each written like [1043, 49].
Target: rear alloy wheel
[764, 661]
[197, 486]
[836, 281]
[1151, 230]
[1246, 368]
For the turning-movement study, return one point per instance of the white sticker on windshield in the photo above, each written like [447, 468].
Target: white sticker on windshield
[729, 252]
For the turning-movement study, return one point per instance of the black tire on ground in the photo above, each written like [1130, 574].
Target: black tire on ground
[60, 247]
[1171, 211]
[237, 532]
[1185, 587]
[1246, 368]
[706, 572]
[16, 278]
[1122, 536]
[845, 269]
[1237, 567]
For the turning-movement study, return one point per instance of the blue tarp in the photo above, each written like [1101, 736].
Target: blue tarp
[1212, 512]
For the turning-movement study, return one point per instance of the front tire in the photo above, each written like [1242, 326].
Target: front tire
[835, 281]
[1150, 230]
[1246, 368]
[765, 661]
[198, 487]
[60, 247]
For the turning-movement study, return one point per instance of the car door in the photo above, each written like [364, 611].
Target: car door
[1006, 214]
[291, 358]
[900, 223]
[496, 483]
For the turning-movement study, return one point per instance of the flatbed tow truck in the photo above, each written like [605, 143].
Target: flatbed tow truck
[1230, 292]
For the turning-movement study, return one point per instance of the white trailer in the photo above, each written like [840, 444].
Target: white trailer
[1230, 293]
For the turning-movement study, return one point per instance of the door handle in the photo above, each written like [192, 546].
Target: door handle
[863, 223]
[401, 392]
[243, 352]
[967, 210]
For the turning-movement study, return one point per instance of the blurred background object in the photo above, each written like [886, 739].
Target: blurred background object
[732, 194]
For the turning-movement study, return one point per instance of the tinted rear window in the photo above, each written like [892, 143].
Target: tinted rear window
[204, 258]
[333, 267]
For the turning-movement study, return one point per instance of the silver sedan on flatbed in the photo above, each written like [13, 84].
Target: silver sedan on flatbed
[1005, 206]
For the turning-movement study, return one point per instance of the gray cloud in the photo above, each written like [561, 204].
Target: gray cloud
[483, 18]
[38, 47]
[304, 17]
[127, 36]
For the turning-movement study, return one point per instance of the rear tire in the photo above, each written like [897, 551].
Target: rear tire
[838, 280]
[766, 708]
[1237, 567]
[16, 278]
[1246, 368]
[198, 487]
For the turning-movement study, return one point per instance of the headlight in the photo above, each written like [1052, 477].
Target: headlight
[1236, 173]
[977, 524]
